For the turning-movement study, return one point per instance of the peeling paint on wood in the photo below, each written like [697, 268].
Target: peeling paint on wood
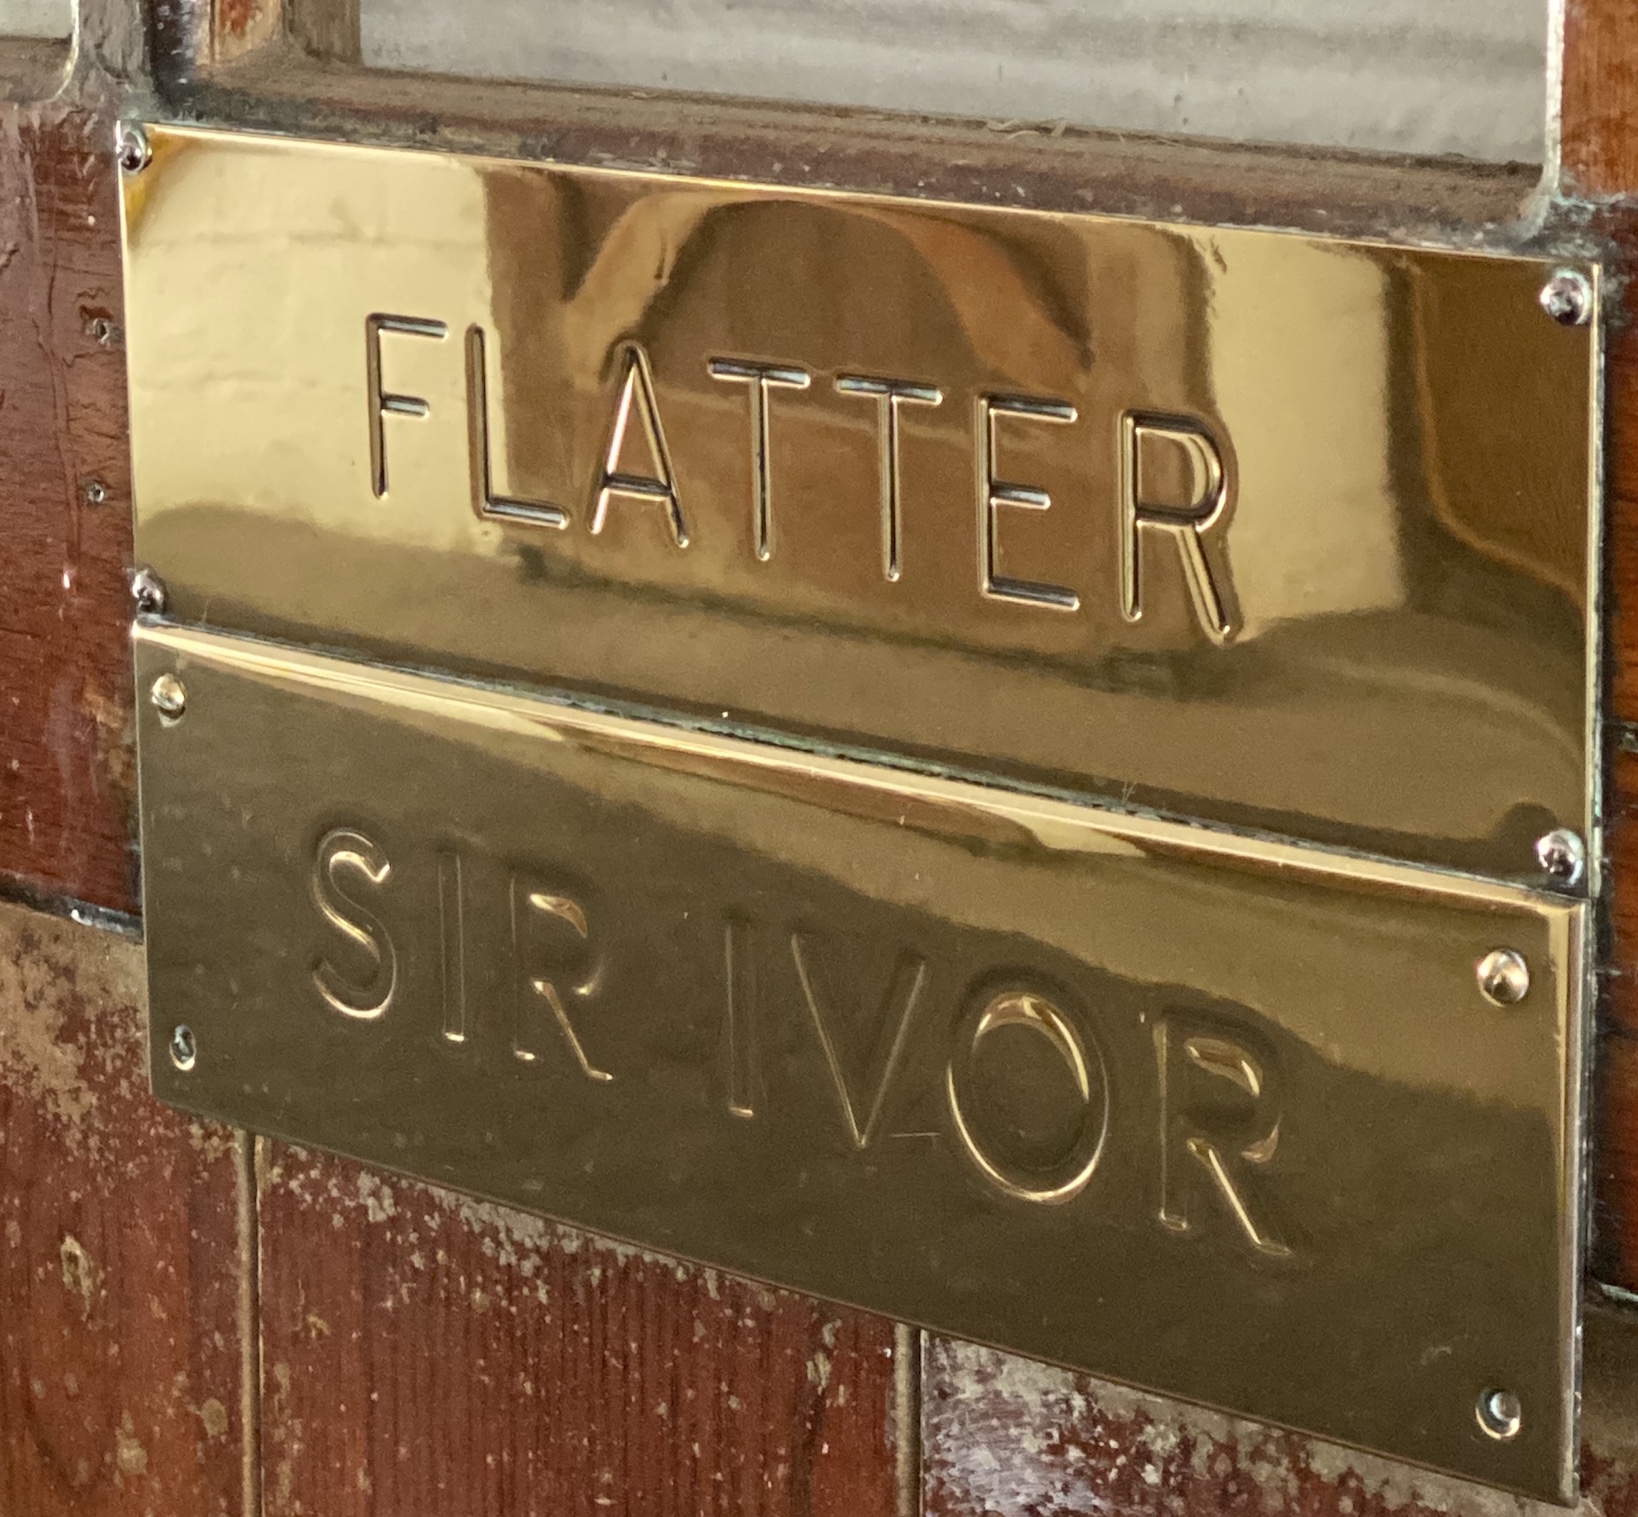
[425, 1353]
[119, 1348]
[1003, 1437]
[241, 26]
[1615, 1066]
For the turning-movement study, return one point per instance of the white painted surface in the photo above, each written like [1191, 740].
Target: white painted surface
[36, 18]
[1416, 76]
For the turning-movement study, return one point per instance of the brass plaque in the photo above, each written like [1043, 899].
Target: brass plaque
[1284, 533]
[1291, 1133]
[792, 728]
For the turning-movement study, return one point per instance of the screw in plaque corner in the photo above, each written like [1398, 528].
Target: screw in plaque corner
[1562, 856]
[1567, 298]
[133, 152]
[170, 698]
[1504, 977]
[1500, 1414]
[148, 591]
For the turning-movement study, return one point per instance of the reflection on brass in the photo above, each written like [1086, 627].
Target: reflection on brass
[1232, 1119]
[1283, 533]
[1286, 534]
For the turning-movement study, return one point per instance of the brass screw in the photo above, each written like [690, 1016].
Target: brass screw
[148, 591]
[1500, 1414]
[1504, 977]
[170, 698]
[1567, 298]
[1562, 855]
[134, 154]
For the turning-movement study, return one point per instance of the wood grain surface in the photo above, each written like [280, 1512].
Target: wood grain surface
[1596, 191]
[1003, 1437]
[1614, 1152]
[120, 1385]
[422, 1353]
[1614, 1231]
[67, 766]
[1599, 121]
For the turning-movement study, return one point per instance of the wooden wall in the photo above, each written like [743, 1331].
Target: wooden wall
[1599, 179]
[67, 768]
[190, 1325]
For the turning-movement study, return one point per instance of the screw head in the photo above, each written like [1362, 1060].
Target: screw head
[1504, 977]
[184, 1050]
[1563, 855]
[94, 492]
[170, 698]
[148, 591]
[1567, 298]
[1500, 1414]
[133, 152]
[103, 330]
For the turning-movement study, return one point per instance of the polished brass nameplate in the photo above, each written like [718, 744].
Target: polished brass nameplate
[1285, 533]
[1289, 1133]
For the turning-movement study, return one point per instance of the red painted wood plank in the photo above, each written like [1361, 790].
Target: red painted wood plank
[119, 1328]
[423, 1353]
[1600, 99]
[67, 771]
[1002, 1435]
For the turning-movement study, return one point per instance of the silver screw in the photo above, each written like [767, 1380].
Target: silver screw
[1504, 977]
[183, 1048]
[94, 492]
[1500, 1414]
[170, 698]
[1567, 298]
[1563, 855]
[103, 330]
[134, 154]
[148, 591]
